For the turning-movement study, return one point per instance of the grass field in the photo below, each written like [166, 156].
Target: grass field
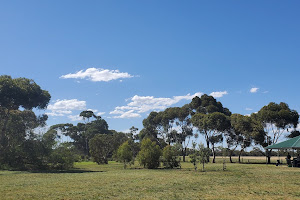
[92, 181]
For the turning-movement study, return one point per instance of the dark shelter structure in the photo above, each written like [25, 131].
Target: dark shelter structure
[293, 143]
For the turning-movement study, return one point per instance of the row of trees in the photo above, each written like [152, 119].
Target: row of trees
[217, 124]
[23, 148]
[165, 135]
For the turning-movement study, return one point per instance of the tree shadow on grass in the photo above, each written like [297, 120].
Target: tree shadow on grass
[154, 169]
[70, 171]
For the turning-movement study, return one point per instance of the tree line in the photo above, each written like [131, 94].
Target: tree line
[165, 136]
[217, 124]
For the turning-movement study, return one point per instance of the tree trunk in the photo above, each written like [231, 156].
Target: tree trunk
[240, 155]
[183, 154]
[230, 155]
[86, 147]
[214, 154]
[207, 144]
[268, 154]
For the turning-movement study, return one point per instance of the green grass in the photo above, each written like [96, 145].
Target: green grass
[92, 181]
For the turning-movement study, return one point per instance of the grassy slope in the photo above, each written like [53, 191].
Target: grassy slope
[239, 181]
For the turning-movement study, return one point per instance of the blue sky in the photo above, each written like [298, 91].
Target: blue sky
[137, 56]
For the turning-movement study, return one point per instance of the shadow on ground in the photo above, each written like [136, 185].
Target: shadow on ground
[71, 171]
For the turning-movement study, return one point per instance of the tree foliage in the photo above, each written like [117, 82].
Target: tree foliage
[101, 146]
[124, 154]
[20, 146]
[82, 133]
[170, 157]
[204, 154]
[276, 119]
[244, 131]
[172, 126]
[22, 92]
[294, 133]
[149, 154]
[212, 125]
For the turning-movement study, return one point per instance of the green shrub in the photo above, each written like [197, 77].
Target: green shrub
[62, 157]
[170, 157]
[149, 154]
[124, 154]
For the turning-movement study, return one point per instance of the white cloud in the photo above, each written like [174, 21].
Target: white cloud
[254, 90]
[93, 110]
[64, 107]
[96, 75]
[248, 109]
[75, 118]
[142, 104]
[53, 114]
[96, 112]
[100, 113]
[218, 94]
[128, 114]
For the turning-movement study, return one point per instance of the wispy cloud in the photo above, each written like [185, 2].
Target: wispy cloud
[142, 104]
[218, 94]
[75, 117]
[64, 107]
[248, 109]
[128, 114]
[100, 113]
[98, 74]
[254, 90]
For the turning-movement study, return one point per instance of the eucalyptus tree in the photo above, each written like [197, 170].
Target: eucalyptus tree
[19, 93]
[75, 132]
[87, 114]
[244, 131]
[17, 121]
[82, 133]
[101, 146]
[185, 128]
[293, 133]
[158, 125]
[276, 119]
[206, 105]
[150, 129]
[212, 125]
[132, 133]
[173, 125]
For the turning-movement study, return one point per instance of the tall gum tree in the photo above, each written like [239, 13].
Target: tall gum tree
[276, 120]
[213, 126]
[245, 130]
[17, 99]
[201, 108]
[19, 92]
[184, 124]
